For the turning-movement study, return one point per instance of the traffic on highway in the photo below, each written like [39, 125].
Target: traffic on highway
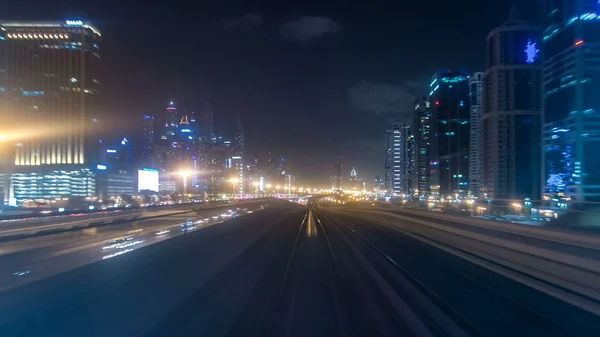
[39, 256]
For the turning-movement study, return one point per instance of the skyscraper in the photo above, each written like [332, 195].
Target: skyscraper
[238, 158]
[475, 150]
[353, 180]
[400, 159]
[171, 122]
[571, 82]
[147, 140]
[449, 156]
[511, 111]
[422, 126]
[48, 85]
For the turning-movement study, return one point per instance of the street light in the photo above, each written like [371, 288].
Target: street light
[234, 181]
[184, 175]
[517, 207]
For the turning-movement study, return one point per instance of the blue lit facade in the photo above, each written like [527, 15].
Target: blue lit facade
[117, 157]
[449, 149]
[511, 120]
[571, 83]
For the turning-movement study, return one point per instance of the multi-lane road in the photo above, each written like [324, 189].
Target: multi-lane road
[284, 270]
[39, 255]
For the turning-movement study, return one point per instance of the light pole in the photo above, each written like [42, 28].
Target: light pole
[472, 203]
[517, 207]
[184, 175]
[234, 181]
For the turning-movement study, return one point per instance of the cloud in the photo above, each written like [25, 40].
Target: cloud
[247, 21]
[385, 99]
[306, 28]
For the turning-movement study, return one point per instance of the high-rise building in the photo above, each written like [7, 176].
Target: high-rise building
[117, 156]
[48, 85]
[147, 140]
[511, 111]
[238, 159]
[353, 181]
[422, 126]
[475, 150]
[171, 122]
[449, 156]
[388, 173]
[219, 167]
[400, 159]
[571, 82]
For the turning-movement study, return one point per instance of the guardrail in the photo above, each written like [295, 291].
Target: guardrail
[56, 213]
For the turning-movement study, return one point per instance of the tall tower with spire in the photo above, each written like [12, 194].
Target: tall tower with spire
[353, 180]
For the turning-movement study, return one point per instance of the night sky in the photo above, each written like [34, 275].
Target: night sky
[311, 80]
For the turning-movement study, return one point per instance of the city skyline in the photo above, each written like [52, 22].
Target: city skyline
[230, 49]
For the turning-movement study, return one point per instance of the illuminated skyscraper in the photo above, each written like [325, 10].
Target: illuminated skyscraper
[475, 150]
[49, 82]
[147, 140]
[571, 83]
[451, 134]
[421, 129]
[171, 122]
[510, 146]
[399, 159]
[48, 85]
[238, 158]
[353, 180]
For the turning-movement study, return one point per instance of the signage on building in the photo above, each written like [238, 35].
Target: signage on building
[74, 23]
[531, 51]
[148, 180]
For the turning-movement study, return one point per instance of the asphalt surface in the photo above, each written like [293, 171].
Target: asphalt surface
[26, 260]
[20, 228]
[284, 271]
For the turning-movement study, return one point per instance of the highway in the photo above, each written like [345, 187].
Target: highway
[30, 227]
[26, 260]
[286, 271]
